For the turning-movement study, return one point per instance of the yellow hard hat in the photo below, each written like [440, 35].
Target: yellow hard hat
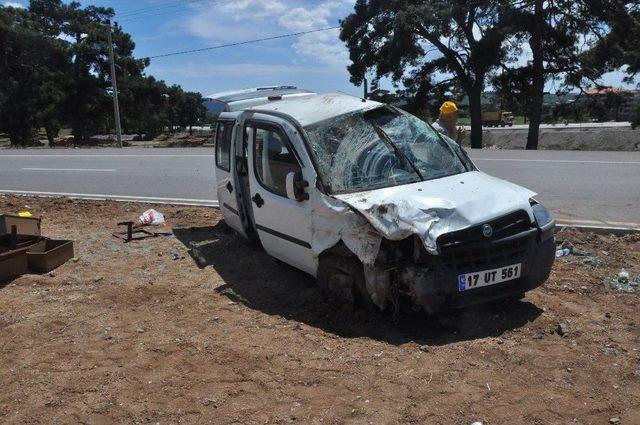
[448, 108]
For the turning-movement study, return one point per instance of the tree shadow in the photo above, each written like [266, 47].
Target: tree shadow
[257, 280]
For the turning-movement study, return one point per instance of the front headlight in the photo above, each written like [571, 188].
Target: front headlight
[541, 214]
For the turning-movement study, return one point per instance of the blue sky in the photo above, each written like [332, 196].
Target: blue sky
[314, 61]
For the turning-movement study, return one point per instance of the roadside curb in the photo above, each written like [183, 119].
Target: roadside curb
[117, 198]
[600, 230]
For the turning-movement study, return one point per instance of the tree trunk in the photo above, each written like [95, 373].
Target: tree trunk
[52, 133]
[535, 42]
[475, 112]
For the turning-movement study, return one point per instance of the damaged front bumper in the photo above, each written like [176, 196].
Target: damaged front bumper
[432, 281]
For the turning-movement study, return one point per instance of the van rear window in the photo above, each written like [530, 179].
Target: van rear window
[223, 145]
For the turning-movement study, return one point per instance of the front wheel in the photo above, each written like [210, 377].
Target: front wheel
[341, 279]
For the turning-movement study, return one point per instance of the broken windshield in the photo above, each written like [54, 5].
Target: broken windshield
[380, 148]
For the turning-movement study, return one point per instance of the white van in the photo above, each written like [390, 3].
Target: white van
[377, 205]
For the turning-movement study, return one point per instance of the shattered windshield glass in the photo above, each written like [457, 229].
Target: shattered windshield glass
[380, 148]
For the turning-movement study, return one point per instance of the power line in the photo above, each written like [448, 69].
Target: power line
[172, 9]
[240, 43]
[154, 8]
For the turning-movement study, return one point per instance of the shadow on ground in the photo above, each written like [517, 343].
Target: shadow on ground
[258, 281]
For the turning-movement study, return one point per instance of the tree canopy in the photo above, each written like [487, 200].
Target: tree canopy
[440, 47]
[54, 72]
[428, 46]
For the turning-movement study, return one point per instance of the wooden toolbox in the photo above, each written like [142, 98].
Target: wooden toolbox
[49, 254]
[13, 263]
[27, 226]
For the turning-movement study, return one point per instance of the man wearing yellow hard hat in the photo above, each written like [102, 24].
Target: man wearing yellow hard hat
[447, 122]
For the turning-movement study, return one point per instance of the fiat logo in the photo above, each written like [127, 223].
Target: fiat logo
[487, 230]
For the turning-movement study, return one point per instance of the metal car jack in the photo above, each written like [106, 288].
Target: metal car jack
[137, 233]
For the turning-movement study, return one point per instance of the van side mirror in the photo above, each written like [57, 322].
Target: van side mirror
[295, 187]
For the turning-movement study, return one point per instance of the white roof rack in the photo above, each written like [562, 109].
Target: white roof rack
[246, 98]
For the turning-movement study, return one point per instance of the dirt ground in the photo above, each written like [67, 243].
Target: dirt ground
[138, 333]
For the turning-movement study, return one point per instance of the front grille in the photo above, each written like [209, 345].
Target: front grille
[469, 249]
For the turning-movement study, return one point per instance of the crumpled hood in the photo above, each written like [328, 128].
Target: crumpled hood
[432, 208]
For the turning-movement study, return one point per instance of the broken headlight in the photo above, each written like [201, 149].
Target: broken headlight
[544, 220]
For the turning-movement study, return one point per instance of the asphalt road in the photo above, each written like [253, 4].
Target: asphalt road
[162, 175]
[590, 188]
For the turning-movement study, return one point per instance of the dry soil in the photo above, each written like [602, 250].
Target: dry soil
[139, 333]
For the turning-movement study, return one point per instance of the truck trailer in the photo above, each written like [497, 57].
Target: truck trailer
[497, 119]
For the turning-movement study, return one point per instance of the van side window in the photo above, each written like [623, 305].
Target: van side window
[223, 145]
[273, 160]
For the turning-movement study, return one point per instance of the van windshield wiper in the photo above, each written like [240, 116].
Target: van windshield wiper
[401, 155]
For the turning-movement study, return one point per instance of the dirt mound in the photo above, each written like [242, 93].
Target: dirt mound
[140, 332]
[183, 140]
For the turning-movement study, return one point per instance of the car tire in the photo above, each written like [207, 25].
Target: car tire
[341, 280]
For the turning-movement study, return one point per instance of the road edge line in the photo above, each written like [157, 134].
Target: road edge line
[117, 198]
[601, 230]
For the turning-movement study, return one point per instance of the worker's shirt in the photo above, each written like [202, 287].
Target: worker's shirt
[443, 130]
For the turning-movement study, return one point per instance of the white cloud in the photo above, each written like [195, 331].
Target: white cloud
[13, 4]
[248, 19]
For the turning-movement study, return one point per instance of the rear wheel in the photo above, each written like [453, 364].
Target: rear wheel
[341, 279]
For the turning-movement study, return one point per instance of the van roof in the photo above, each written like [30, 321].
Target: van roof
[245, 98]
[316, 108]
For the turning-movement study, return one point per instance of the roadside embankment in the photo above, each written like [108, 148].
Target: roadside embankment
[559, 138]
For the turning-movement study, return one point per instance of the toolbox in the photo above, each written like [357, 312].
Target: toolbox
[13, 263]
[48, 254]
[26, 226]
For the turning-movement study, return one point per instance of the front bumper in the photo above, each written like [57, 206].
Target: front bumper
[435, 287]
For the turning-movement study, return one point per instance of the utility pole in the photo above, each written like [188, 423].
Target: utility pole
[114, 85]
[366, 88]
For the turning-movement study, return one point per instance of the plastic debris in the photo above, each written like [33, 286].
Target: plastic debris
[562, 252]
[562, 329]
[624, 282]
[25, 214]
[623, 276]
[151, 218]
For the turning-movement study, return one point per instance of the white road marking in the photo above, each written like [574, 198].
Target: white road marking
[619, 223]
[71, 169]
[124, 198]
[574, 221]
[567, 161]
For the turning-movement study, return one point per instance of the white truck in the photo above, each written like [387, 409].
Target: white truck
[375, 204]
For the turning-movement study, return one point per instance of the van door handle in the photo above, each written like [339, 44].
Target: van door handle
[257, 199]
[229, 187]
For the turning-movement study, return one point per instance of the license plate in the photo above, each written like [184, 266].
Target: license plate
[488, 277]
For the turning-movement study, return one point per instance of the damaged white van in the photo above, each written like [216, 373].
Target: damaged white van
[376, 204]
